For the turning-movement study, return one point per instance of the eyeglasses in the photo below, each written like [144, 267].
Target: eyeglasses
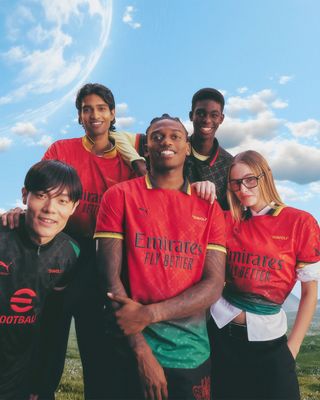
[249, 182]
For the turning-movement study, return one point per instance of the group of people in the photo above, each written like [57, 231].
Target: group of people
[174, 261]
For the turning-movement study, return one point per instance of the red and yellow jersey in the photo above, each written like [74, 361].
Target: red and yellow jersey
[166, 234]
[264, 252]
[96, 173]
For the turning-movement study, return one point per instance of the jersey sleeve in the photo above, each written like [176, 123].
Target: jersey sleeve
[127, 145]
[308, 240]
[110, 221]
[217, 233]
[51, 153]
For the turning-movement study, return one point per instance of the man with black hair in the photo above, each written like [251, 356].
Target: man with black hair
[35, 259]
[99, 166]
[207, 160]
[161, 255]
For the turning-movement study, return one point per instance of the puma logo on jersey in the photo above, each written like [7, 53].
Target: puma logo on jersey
[197, 218]
[54, 271]
[4, 268]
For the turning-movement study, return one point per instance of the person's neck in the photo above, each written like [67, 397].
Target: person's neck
[36, 240]
[202, 146]
[101, 144]
[170, 179]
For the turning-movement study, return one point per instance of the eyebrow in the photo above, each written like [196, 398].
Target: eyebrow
[98, 105]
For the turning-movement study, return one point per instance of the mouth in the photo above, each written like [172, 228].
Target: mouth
[206, 130]
[47, 221]
[96, 124]
[167, 153]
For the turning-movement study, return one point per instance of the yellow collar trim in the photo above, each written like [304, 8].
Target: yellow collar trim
[88, 144]
[186, 188]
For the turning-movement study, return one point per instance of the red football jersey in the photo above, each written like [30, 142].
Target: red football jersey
[96, 173]
[166, 233]
[264, 252]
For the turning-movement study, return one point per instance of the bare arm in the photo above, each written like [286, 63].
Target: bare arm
[307, 306]
[133, 317]
[109, 262]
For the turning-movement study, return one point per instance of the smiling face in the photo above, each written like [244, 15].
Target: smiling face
[95, 116]
[167, 145]
[47, 213]
[248, 197]
[206, 117]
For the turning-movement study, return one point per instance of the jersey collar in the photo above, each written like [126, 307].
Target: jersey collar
[150, 183]
[88, 144]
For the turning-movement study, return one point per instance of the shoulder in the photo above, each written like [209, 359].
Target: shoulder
[296, 214]
[67, 142]
[128, 186]
[225, 154]
[65, 241]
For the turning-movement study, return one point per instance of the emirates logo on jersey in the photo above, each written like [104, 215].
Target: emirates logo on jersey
[21, 300]
[4, 268]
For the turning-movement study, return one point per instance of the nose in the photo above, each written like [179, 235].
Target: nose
[48, 206]
[166, 141]
[94, 113]
[243, 188]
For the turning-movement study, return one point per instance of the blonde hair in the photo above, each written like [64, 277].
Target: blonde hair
[258, 165]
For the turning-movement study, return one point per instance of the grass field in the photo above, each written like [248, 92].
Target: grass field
[308, 369]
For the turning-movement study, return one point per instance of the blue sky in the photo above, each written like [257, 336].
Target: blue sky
[264, 56]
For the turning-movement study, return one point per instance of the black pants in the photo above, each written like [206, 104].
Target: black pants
[243, 370]
[83, 301]
[186, 384]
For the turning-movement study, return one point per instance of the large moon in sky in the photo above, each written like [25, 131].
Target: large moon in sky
[48, 49]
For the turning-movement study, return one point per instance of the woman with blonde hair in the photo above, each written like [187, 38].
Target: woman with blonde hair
[270, 246]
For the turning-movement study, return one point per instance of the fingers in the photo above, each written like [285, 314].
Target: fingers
[205, 190]
[12, 217]
[118, 298]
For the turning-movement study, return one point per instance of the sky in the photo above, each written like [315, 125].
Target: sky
[264, 56]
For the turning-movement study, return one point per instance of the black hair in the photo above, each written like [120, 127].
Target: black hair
[166, 116]
[208, 93]
[101, 91]
[53, 174]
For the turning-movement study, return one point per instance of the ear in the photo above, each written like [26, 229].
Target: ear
[188, 150]
[24, 195]
[146, 151]
[222, 118]
[190, 115]
[74, 207]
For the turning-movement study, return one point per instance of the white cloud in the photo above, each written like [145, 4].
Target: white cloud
[24, 129]
[278, 104]
[188, 125]
[124, 122]
[2, 210]
[255, 103]
[242, 89]
[289, 159]
[284, 79]
[128, 18]
[234, 131]
[308, 128]
[47, 69]
[5, 143]
[121, 109]
[45, 141]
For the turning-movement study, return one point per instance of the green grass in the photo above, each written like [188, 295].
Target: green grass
[308, 369]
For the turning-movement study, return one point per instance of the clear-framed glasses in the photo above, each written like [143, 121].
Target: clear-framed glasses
[249, 182]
